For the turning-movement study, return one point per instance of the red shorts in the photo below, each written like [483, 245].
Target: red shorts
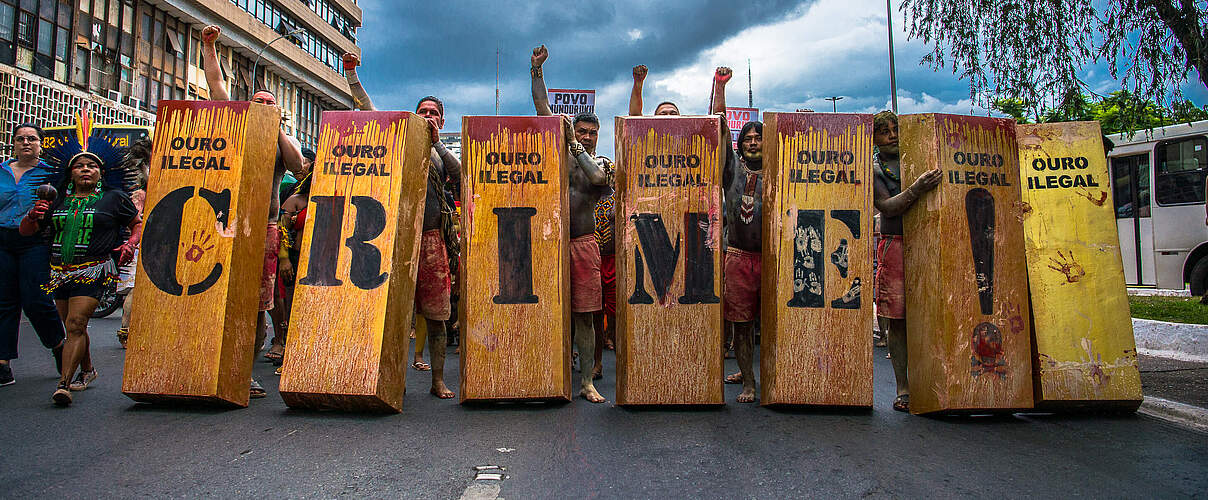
[432, 281]
[741, 290]
[585, 287]
[268, 277]
[608, 283]
[891, 278]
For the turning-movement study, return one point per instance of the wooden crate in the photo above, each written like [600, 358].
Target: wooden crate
[966, 282]
[355, 291]
[1085, 353]
[515, 307]
[817, 292]
[194, 318]
[668, 230]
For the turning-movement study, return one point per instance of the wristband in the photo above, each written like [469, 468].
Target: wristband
[536, 72]
[576, 148]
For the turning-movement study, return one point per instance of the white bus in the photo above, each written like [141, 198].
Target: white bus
[1157, 182]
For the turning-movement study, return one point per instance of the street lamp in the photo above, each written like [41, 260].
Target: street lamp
[834, 105]
[261, 52]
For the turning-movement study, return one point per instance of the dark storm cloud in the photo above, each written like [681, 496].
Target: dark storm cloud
[591, 43]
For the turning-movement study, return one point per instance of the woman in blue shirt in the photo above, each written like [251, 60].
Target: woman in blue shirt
[24, 260]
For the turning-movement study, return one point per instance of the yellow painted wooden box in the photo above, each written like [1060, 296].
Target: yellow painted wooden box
[817, 293]
[668, 260]
[194, 317]
[966, 281]
[515, 308]
[354, 296]
[1086, 356]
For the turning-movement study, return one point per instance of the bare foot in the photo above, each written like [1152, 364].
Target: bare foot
[734, 378]
[597, 373]
[589, 393]
[440, 390]
[747, 396]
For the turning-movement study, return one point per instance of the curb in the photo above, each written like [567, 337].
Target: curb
[1184, 415]
[1188, 339]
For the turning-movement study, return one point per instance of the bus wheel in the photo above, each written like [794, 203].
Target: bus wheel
[1199, 277]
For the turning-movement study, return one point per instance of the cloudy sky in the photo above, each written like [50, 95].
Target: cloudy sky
[800, 52]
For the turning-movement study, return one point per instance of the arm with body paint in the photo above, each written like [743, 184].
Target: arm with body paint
[894, 206]
[721, 76]
[32, 222]
[452, 167]
[359, 97]
[635, 95]
[540, 94]
[209, 55]
[586, 163]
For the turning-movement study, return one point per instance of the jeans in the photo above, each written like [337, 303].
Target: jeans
[24, 268]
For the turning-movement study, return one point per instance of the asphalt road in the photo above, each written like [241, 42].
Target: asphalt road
[107, 446]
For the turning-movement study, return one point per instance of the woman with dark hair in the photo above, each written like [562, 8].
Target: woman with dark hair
[135, 166]
[24, 259]
[84, 225]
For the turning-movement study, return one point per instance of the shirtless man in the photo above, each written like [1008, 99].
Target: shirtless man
[635, 96]
[289, 156]
[433, 282]
[742, 182]
[587, 184]
[892, 201]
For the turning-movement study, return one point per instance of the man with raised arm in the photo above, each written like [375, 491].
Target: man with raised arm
[742, 183]
[892, 201]
[635, 96]
[588, 184]
[433, 281]
[289, 157]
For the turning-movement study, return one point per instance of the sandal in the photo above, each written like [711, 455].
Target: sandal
[123, 335]
[62, 396]
[902, 402]
[275, 353]
[82, 380]
[421, 366]
[256, 391]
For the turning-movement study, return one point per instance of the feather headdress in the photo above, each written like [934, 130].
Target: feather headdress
[64, 150]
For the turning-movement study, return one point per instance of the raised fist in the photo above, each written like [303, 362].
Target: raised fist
[210, 33]
[639, 73]
[723, 75]
[540, 54]
[351, 61]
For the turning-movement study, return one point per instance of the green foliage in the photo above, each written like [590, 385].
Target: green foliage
[1173, 309]
[1122, 111]
[1034, 51]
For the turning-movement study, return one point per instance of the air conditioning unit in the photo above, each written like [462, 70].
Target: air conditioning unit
[114, 95]
[135, 103]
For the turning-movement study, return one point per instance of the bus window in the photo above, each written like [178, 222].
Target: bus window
[1130, 185]
[1181, 166]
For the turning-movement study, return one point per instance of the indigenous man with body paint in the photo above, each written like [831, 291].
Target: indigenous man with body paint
[742, 183]
[433, 281]
[289, 157]
[588, 183]
[892, 201]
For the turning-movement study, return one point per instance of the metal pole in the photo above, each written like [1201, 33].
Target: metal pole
[496, 82]
[261, 52]
[750, 93]
[834, 103]
[893, 77]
